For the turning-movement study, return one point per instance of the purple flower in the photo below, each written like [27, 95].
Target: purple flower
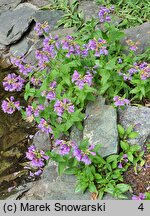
[140, 197]
[70, 45]
[40, 29]
[120, 101]
[81, 81]
[61, 106]
[34, 111]
[9, 106]
[119, 61]
[36, 81]
[77, 153]
[120, 165]
[12, 82]
[64, 146]
[51, 95]
[86, 159]
[103, 14]
[37, 158]
[132, 45]
[39, 172]
[44, 126]
[98, 47]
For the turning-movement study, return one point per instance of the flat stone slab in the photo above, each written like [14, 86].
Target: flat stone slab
[49, 16]
[9, 4]
[140, 34]
[42, 141]
[139, 118]
[100, 127]
[54, 187]
[13, 24]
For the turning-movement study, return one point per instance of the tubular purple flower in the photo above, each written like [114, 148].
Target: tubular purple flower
[9, 106]
[44, 126]
[12, 82]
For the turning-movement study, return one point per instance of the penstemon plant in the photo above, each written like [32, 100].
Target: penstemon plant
[69, 73]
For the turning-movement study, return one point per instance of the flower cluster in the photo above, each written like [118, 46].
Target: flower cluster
[48, 52]
[132, 45]
[12, 82]
[144, 70]
[81, 81]
[36, 81]
[64, 146]
[83, 156]
[70, 45]
[44, 126]
[40, 29]
[129, 74]
[123, 161]
[24, 68]
[30, 110]
[104, 14]
[61, 106]
[98, 46]
[120, 101]
[50, 94]
[9, 106]
[140, 197]
[37, 159]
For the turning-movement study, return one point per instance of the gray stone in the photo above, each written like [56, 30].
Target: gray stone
[90, 9]
[49, 16]
[139, 34]
[139, 118]
[39, 3]
[54, 187]
[42, 141]
[76, 135]
[100, 127]
[13, 24]
[21, 48]
[19, 191]
[9, 4]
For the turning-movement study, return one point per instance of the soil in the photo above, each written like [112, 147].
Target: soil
[140, 181]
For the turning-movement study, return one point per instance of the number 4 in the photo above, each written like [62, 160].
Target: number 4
[141, 207]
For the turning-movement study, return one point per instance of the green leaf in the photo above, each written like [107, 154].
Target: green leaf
[70, 171]
[111, 158]
[124, 146]
[120, 130]
[92, 188]
[129, 130]
[123, 187]
[133, 135]
[61, 168]
[130, 156]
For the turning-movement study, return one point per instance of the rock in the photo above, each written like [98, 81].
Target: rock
[139, 118]
[90, 9]
[13, 24]
[5, 62]
[63, 32]
[140, 34]
[21, 48]
[76, 135]
[39, 3]
[50, 16]
[42, 141]
[9, 4]
[100, 127]
[19, 191]
[54, 187]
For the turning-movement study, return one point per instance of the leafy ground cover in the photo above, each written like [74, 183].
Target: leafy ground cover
[70, 73]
